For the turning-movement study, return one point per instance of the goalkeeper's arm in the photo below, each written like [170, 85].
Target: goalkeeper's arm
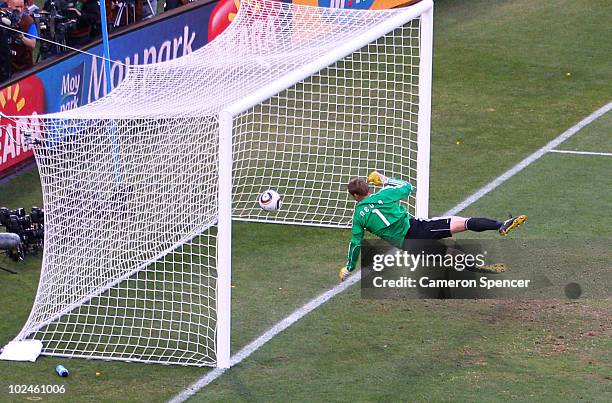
[353, 251]
[353, 255]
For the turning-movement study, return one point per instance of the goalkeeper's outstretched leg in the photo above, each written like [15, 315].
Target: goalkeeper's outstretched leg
[381, 214]
[458, 224]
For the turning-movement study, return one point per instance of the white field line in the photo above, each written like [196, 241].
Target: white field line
[530, 159]
[267, 336]
[326, 296]
[580, 152]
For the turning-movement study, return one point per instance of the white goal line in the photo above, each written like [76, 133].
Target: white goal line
[253, 346]
[323, 298]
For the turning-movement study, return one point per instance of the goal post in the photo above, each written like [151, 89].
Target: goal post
[224, 237]
[424, 114]
[294, 98]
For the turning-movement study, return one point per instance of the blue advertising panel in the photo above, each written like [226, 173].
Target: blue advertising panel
[81, 79]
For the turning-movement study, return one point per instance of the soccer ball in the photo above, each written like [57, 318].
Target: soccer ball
[269, 200]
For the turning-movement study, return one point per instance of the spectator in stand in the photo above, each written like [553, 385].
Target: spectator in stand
[58, 6]
[171, 4]
[87, 14]
[23, 47]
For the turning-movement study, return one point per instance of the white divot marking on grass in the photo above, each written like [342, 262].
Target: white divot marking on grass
[326, 296]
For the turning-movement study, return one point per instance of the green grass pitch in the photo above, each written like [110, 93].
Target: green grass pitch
[501, 91]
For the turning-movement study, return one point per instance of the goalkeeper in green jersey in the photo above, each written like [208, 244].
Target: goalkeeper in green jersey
[382, 215]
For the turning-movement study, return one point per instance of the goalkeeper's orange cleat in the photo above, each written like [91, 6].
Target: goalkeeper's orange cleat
[511, 224]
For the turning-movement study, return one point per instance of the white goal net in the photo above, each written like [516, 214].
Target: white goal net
[140, 187]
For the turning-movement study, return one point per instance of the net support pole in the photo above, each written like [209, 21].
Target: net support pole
[424, 128]
[224, 241]
[105, 47]
[108, 87]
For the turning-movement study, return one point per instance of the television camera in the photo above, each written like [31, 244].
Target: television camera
[54, 21]
[24, 232]
[8, 37]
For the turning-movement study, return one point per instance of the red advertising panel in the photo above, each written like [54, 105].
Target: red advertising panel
[24, 98]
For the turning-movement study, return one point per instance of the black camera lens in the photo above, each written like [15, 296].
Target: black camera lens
[37, 215]
[13, 225]
[4, 215]
[26, 222]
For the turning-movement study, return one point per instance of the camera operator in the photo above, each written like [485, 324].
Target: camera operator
[5, 51]
[87, 14]
[23, 46]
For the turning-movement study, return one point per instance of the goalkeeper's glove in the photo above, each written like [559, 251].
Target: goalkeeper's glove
[378, 179]
[343, 273]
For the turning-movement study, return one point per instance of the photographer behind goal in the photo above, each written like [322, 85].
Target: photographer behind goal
[76, 22]
[20, 44]
[87, 15]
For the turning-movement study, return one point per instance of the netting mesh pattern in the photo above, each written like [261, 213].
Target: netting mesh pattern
[130, 182]
[307, 142]
[266, 40]
[130, 251]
